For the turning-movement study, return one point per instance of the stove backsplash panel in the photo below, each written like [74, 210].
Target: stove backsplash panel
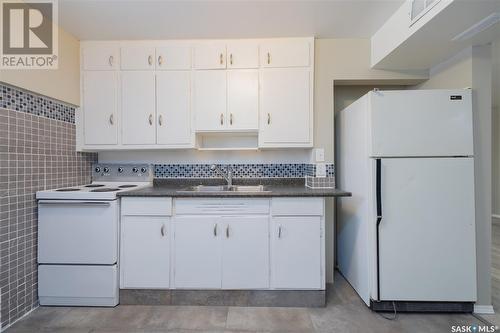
[37, 152]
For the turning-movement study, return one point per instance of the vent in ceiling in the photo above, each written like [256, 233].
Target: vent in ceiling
[419, 8]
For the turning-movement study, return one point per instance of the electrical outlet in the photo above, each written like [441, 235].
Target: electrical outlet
[320, 170]
[319, 154]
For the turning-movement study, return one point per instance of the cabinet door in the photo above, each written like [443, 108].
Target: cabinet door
[285, 108]
[285, 53]
[210, 55]
[173, 57]
[197, 252]
[296, 252]
[100, 93]
[137, 58]
[172, 108]
[209, 100]
[242, 54]
[245, 252]
[243, 99]
[101, 58]
[145, 252]
[138, 107]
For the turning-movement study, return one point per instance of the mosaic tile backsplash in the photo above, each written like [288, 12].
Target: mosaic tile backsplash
[299, 170]
[37, 152]
[17, 99]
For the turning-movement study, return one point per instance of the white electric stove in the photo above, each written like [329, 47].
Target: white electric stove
[78, 232]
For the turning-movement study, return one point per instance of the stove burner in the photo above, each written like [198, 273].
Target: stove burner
[67, 189]
[94, 185]
[127, 186]
[105, 190]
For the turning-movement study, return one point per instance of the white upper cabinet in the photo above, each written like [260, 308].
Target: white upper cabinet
[210, 55]
[138, 107]
[101, 57]
[242, 100]
[209, 100]
[137, 58]
[173, 124]
[285, 53]
[99, 95]
[285, 108]
[181, 94]
[242, 54]
[173, 57]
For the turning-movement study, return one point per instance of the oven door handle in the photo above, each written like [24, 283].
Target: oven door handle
[73, 202]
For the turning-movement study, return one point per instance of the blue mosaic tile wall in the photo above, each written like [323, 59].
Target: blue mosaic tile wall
[17, 99]
[299, 170]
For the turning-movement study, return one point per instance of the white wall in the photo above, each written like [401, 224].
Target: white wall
[473, 68]
[496, 128]
[62, 84]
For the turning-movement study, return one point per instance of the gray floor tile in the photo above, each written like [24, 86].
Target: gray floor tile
[188, 317]
[269, 319]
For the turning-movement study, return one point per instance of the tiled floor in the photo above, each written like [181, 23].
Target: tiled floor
[345, 313]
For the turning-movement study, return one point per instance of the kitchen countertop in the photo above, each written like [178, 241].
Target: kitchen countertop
[275, 187]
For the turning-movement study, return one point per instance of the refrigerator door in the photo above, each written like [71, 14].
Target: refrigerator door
[421, 123]
[426, 236]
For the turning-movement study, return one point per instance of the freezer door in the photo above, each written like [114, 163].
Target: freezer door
[427, 232]
[421, 123]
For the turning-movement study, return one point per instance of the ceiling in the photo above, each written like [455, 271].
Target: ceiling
[146, 19]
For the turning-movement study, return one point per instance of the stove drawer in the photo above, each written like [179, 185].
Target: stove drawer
[78, 232]
[80, 285]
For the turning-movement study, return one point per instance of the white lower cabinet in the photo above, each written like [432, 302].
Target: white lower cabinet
[245, 252]
[197, 250]
[145, 252]
[296, 252]
[221, 243]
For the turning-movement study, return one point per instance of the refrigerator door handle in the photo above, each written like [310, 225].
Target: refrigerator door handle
[378, 177]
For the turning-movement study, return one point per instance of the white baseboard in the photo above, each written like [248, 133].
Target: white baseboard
[484, 309]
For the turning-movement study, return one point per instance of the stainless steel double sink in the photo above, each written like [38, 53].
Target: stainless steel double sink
[226, 188]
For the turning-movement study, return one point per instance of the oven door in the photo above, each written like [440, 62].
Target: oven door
[78, 232]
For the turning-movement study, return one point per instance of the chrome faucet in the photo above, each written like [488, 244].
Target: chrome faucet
[228, 176]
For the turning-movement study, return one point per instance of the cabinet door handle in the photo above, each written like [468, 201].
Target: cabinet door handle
[279, 231]
[160, 60]
[231, 118]
[111, 60]
[160, 120]
[231, 58]
[151, 119]
[227, 231]
[221, 58]
[150, 60]
[162, 230]
[215, 229]
[268, 58]
[269, 119]
[222, 119]
[111, 119]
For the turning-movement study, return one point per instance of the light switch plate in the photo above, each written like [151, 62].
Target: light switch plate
[319, 154]
[320, 170]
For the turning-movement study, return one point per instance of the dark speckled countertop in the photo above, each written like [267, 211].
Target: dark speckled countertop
[275, 187]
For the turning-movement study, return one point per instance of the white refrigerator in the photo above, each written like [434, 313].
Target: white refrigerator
[407, 234]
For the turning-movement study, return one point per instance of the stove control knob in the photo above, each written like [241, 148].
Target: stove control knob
[97, 169]
[120, 170]
[106, 170]
[134, 170]
[143, 170]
